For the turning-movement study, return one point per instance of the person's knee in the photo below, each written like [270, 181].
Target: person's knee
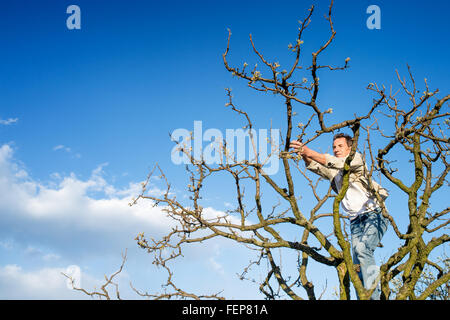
[361, 250]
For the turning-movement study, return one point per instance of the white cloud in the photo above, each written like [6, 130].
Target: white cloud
[8, 121]
[68, 150]
[47, 283]
[74, 221]
[61, 147]
[216, 266]
[50, 284]
[67, 211]
[67, 207]
[6, 244]
[44, 283]
[40, 253]
[228, 205]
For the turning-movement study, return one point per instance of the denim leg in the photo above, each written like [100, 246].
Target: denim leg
[357, 231]
[368, 234]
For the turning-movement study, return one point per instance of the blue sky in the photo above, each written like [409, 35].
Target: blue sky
[85, 114]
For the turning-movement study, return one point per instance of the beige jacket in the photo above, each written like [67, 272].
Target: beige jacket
[358, 174]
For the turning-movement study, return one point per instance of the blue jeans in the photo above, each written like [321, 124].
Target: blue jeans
[367, 230]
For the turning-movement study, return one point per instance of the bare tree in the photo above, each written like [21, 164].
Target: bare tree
[104, 292]
[431, 272]
[415, 128]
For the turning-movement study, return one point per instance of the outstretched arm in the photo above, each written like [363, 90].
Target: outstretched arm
[307, 153]
[314, 161]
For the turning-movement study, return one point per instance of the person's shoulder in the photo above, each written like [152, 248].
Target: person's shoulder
[358, 156]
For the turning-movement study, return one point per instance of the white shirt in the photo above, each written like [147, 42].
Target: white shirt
[356, 201]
